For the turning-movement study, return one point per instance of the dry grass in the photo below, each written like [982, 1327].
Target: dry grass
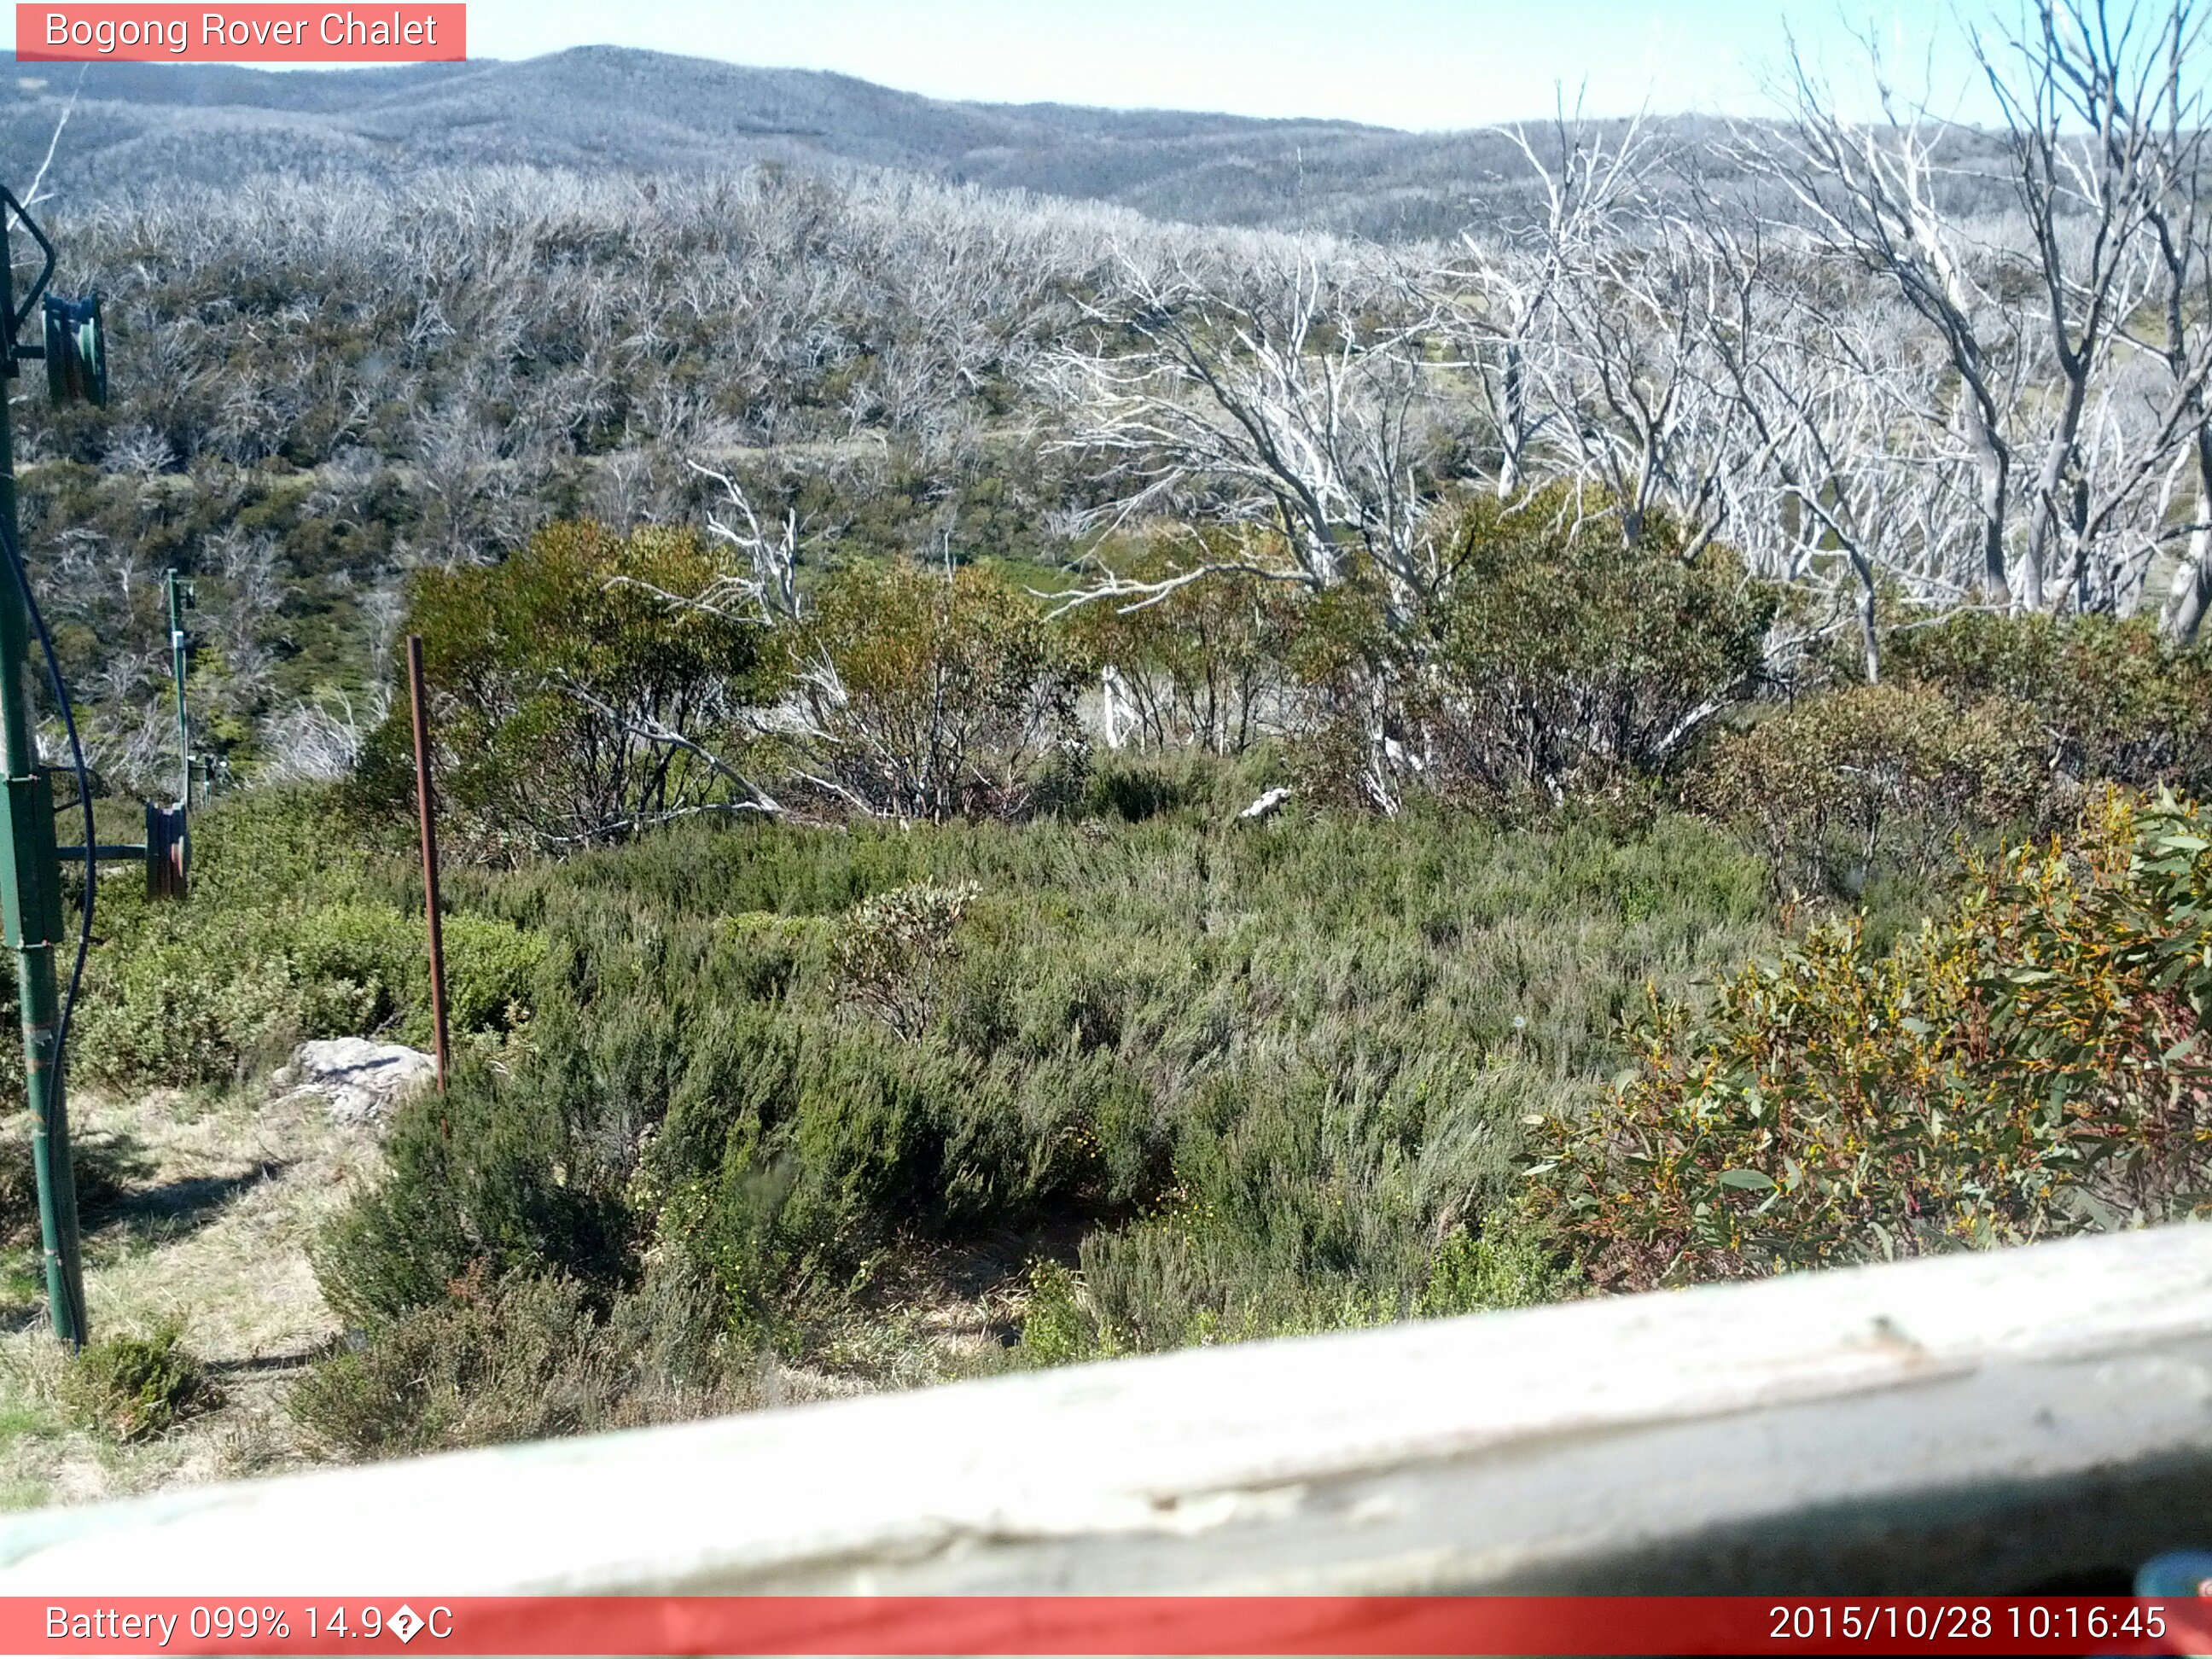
[216, 1200]
[933, 1314]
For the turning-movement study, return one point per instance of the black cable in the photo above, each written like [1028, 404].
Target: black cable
[91, 839]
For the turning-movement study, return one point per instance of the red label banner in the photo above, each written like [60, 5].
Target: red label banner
[259, 33]
[1075, 1625]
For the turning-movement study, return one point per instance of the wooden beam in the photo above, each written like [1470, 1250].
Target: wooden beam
[1992, 1421]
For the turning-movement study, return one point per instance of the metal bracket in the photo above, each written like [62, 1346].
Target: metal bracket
[30, 897]
[107, 852]
[21, 314]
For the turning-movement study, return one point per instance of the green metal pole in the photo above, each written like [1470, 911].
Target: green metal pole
[177, 672]
[30, 899]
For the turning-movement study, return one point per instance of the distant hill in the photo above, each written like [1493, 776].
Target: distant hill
[651, 112]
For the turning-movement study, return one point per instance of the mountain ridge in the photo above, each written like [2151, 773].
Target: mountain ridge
[594, 108]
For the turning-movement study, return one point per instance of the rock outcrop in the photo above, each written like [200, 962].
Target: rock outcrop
[361, 1079]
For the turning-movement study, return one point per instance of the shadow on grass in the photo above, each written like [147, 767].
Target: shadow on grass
[154, 1214]
[266, 1364]
[105, 1165]
[22, 1291]
[118, 1205]
[964, 1285]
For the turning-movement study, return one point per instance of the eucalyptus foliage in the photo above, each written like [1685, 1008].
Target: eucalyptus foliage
[2032, 1062]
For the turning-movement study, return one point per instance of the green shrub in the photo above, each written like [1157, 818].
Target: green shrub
[487, 1179]
[765, 955]
[1475, 1273]
[1837, 785]
[135, 1388]
[196, 995]
[1550, 662]
[2109, 697]
[491, 971]
[352, 967]
[1206, 666]
[294, 929]
[933, 696]
[521, 1359]
[819, 1143]
[891, 951]
[577, 687]
[2031, 1063]
[1258, 1077]
[1133, 790]
[1561, 659]
[169, 1012]
[1303, 1201]
[1166, 1285]
[1057, 1329]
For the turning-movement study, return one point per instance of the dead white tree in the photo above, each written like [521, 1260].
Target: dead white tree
[1869, 191]
[1818, 395]
[1647, 418]
[1591, 329]
[1297, 397]
[768, 583]
[2180, 241]
[2080, 93]
[1501, 300]
[317, 742]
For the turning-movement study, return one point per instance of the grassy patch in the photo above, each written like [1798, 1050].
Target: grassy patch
[1232, 1079]
[207, 1227]
[301, 923]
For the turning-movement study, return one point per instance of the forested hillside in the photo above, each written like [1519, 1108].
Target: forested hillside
[321, 386]
[607, 112]
[1028, 779]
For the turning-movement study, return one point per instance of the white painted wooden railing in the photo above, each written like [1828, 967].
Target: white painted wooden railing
[1983, 1422]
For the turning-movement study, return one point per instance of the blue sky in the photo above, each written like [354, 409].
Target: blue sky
[1421, 63]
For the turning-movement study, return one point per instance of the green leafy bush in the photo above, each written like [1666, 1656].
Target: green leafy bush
[1206, 666]
[1057, 1329]
[2109, 698]
[285, 937]
[2032, 1062]
[491, 971]
[1132, 788]
[1836, 786]
[1550, 662]
[1475, 1273]
[891, 951]
[135, 1388]
[290, 933]
[820, 1143]
[167, 1013]
[1560, 659]
[933, 696]
[584, 686]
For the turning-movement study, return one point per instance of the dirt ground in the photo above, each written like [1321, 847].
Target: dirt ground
[198, 1210]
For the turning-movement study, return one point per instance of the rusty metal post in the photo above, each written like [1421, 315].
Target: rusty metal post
[429, 849]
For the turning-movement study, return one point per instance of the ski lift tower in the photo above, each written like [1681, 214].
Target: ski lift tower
[76, 354]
